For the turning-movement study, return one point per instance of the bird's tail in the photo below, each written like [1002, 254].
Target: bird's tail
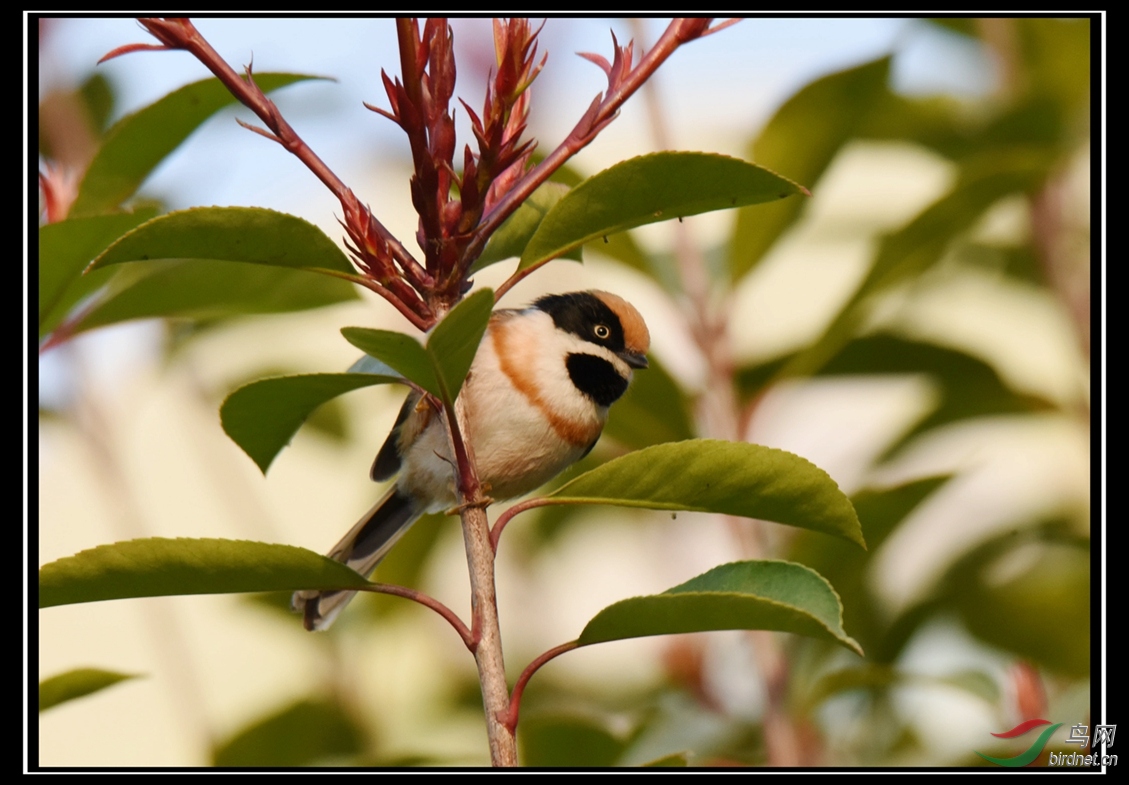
[361, 549]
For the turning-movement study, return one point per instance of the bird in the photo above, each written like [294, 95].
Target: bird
[535, 401]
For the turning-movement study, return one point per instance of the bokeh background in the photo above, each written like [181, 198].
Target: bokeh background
[950, 399]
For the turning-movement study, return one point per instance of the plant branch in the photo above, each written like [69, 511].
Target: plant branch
[428, 602]
[486, 630]
[505, 517]
[623, 81]
[515, 279]
[526, 675]
[180, 33]
[417, 321]
[420, 103]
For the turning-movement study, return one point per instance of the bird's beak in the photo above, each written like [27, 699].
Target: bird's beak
[634, 359]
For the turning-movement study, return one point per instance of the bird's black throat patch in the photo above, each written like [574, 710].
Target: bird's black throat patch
[596, 377]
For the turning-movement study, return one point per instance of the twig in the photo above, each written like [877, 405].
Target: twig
[180, 33]
[603, 109]
[428, 602]
[519, 686]
[520, 507]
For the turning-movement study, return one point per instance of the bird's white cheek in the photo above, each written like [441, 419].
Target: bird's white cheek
[557, 387]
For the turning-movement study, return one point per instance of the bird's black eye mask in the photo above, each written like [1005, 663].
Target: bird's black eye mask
[586, 316]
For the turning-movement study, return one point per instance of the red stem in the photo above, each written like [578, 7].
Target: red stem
[468, 477]
[420, 323]
[193, 42]
[66, 329]
[181, 33]
[428, 602]
[510, 720]
[580, 137]
[515, 279]
[520, 507]
[469, 493]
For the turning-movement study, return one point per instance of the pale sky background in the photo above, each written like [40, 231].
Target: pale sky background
[717, 92]
[724, 85]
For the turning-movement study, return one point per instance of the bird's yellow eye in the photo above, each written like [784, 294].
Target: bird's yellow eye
[602, 331]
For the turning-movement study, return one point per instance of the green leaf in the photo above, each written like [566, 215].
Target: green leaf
[98, 96]
[968, 386]
[751, 595]
[441, 367]
[880, 512]
[513, 235]
[330, 422]
[621, 247]
[233, 234]
[802, 139]
[301, 734]
[733, 478]
[454, 341]
[157, 567]
[940, 123]
[137, 143]
[184, 267]
[945, 126]
[648, 189]
[65, 249]
[866, 677]
[77, 683]
[207, 289]
[983, 182]
[401, 352]
[262, 417]
[677, 723]
[876, 678]
[1057, 53]
[652, 411]
[966, 27]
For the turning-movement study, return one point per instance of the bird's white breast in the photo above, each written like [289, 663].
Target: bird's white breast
[526, 420]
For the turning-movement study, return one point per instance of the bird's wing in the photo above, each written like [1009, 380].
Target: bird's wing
[361, 549]
[387, 461]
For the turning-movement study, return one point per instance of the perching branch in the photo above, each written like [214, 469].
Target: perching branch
[485, 630]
